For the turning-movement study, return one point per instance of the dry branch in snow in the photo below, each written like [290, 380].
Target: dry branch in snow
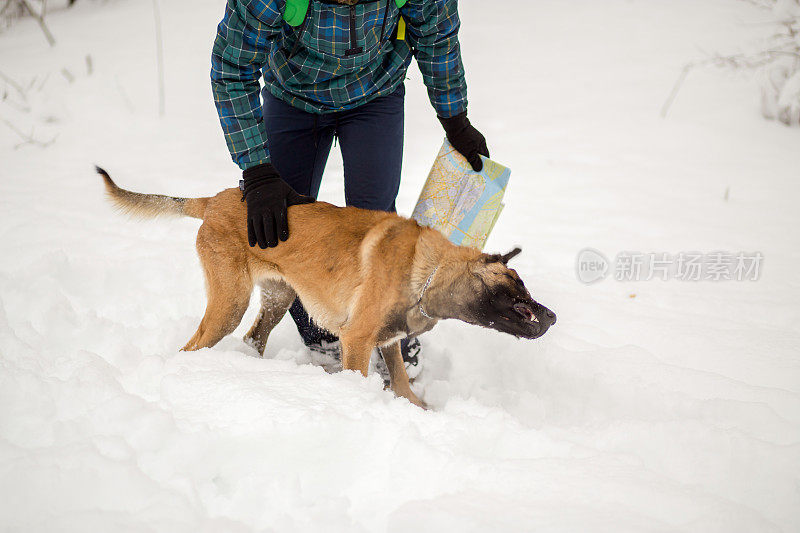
[28, 138]
[777, 60]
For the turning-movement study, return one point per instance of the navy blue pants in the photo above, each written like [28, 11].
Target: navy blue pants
[371, 140]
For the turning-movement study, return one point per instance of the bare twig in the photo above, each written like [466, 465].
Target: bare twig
[20, 90]
[40, 19]
[28, 139]
[124, 95]
[783, 53]
[159, 59]
[16, 86]
[5, 7]
[787, 21]
[763, 4]
[675, 88]
[44, 80]
[735, 61]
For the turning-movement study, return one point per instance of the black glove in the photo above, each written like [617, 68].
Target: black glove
[466, 139]
[267, 197]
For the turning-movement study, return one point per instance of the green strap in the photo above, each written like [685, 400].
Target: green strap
[295, 11]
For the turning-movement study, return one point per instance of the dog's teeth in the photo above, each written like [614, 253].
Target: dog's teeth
[533, 318]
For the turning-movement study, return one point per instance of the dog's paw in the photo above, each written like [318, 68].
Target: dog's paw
[416, 401]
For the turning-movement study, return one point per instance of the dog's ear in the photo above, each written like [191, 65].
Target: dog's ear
[498, 258]
[510, 255]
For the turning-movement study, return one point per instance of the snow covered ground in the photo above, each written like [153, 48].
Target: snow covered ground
[650, 406]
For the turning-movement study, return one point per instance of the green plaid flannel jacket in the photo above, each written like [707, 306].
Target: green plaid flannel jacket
[341, 57]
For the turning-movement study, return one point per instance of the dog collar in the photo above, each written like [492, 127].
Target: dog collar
[422, 293]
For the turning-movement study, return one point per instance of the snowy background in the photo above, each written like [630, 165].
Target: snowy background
[650, 406]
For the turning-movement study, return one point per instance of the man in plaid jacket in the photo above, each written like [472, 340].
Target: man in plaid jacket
[333, 70]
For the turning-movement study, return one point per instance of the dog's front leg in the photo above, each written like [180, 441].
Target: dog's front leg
[393, 358]
[356, 349]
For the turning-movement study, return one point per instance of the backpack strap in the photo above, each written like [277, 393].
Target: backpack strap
[294, 12]
[302, 23]
[401, 23]
[400, 35]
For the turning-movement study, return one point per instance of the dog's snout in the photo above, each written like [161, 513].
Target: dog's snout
[546, 317]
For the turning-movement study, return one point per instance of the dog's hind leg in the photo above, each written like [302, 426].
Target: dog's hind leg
[228, 287]
[276, 298]
[397, 373]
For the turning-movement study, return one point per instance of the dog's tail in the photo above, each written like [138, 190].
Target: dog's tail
[152, 205]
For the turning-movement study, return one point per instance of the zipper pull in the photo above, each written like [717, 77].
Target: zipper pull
[354, 48]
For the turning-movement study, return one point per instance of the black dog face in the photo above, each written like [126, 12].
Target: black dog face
[502, 301]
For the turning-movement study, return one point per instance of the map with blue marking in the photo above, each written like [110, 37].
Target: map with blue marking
[461, 203]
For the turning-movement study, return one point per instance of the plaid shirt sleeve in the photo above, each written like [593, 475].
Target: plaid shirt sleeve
[240, 50]
[433, 35]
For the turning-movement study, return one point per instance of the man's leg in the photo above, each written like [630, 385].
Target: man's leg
[299, 144]
[371, 137]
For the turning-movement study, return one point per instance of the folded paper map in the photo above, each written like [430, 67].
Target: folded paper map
[459, 202]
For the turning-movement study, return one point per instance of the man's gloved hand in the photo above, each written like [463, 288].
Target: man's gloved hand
[466, 139]
[267, 197]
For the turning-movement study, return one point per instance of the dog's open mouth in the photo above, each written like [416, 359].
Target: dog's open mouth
[525, 311]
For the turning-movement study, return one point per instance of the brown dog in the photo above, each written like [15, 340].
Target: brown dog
[370, 277]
